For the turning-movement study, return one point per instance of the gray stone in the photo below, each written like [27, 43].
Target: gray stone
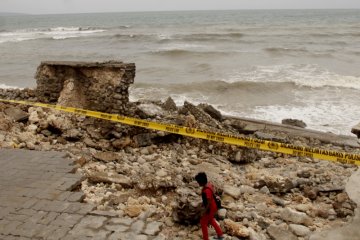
[294, 216]
[247, 189]
[122, 221]
[16, 114]
[294, 122]
[232, 191]
[137, 226]
[169, 105]
[117, 228]
[153, 228]
[92, 222]
[214, 113]
[356, 130]
[299, 230]
[277, 233]
[150, 110]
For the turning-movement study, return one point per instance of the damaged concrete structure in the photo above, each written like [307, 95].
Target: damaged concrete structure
[88, 85]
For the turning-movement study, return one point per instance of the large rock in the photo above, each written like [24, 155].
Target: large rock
[300, 230]
[236, 229]
[188, 207]
[294, 122]
[356, 130]
[200, 115]
[214, 113]
[276, 184]
[99, 177]
[147, 110]
[278, 233]
[169, 105]
[232, 191]
[16, 114]
[294, 216]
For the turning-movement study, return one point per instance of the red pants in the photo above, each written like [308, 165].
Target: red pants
[205, 221]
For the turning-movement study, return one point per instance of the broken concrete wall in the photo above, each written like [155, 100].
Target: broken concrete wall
[94, 86]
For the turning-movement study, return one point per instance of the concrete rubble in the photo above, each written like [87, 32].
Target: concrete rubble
[136, 173]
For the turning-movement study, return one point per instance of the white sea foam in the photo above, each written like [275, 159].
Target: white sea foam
[4, 86]
[58, 33]
[302, 75]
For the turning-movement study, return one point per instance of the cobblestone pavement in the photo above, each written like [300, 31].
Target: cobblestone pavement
[37, 202]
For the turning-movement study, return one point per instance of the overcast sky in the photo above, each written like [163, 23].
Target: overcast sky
[82, 6]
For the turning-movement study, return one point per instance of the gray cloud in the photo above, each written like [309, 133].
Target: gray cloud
[74, 6]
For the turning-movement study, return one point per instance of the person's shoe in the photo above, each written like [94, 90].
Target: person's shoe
[219, 238]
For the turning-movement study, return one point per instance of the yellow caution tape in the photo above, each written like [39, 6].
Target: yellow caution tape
[329, 155]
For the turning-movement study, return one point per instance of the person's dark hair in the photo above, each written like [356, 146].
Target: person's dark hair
[201, 178]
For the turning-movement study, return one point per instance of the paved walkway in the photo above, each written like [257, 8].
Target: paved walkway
[37, 202]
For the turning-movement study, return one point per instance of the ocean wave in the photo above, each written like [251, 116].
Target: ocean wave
[303, 75]
[298, 51]
[285, 50]
[209, 36]
[187, 52]
[4, 86]
[220, 87]
[56, 33]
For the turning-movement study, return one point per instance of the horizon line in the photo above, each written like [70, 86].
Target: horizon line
[180, 10]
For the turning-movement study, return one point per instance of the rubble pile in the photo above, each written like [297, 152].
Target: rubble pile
[131, 171]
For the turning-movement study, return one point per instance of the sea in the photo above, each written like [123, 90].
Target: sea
[261, 64]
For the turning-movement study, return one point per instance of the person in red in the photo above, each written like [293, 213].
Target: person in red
[209, 203]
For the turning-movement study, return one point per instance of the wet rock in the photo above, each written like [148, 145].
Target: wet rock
[294, 122]
[214, 113]
[356, 130]
[293, 216]
[236, 229]
[169, 105]
[16, 114]
[278, 233]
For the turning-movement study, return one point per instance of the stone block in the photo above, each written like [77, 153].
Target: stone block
[76, 197]
[67, 220]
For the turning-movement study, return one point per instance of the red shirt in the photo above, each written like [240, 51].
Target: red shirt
[208, 197]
